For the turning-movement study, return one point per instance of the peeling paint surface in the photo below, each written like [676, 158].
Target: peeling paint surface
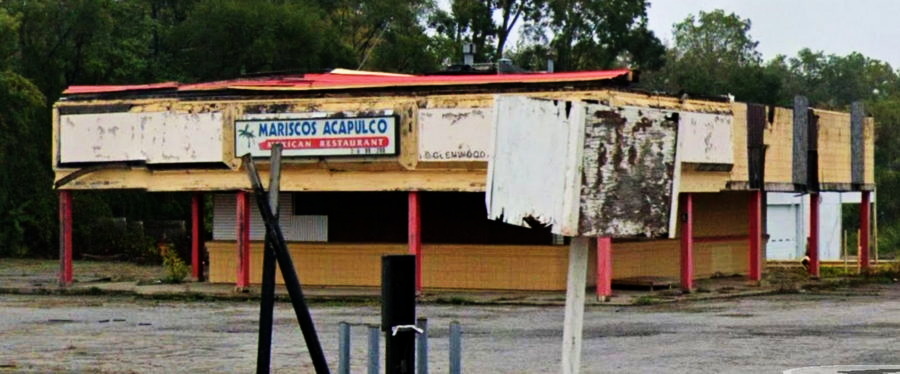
[455, 134]
[705, 138]
[533, 171]
[628, 171]
[151, 137]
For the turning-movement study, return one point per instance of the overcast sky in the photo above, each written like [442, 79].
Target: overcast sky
[870, 27]
[785, 26]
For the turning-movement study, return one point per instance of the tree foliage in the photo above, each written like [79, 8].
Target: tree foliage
[47, 45]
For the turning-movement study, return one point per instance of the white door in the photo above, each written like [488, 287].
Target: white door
[782, 227]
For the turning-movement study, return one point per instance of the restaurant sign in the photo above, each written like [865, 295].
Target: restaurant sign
[313, 137]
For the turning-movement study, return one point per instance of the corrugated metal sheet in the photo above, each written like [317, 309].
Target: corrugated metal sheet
[295, 228]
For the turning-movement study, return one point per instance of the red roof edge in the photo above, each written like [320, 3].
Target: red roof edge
[74, 90]
[344, 80]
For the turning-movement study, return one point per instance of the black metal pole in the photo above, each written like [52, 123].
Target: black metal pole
[267, 297]
[398, 308]
[291, 280]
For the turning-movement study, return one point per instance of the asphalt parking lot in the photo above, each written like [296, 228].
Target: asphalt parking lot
[765, 334]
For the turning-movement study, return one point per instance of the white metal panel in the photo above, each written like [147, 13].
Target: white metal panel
[102, 137]
[294, 228]
[705, 138]
[170, 137]
[153, 137]
[790, 211]
[830, 227]
[535, 164]
[455, 134]
[782, 244]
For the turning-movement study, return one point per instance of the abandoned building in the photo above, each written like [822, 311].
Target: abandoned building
[379, 164]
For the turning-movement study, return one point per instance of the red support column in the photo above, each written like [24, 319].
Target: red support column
[813, 241]
[65, 238]
[243, 240]
[196, 235]
[415, 235]
[754, 208]
[864, 230]
[687, 242]
[604, 268]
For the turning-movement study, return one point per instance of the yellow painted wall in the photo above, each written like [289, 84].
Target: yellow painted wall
[479, 267]
[739, 172]
[834, 147]
[869, 136]
[779, 139]
[444, 266]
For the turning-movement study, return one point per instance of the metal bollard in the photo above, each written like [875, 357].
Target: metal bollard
[455, 348]
[344, 348]
[422, 347]
[374, 339]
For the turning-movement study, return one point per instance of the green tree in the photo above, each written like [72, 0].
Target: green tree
[23, 149]
[832, 81]
[714, 54]
[598, 34]
[229, 38]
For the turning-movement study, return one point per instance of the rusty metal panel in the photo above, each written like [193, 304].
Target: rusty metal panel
[705, 138]
[801, 141]
[583, 169]
[455, 134]
[152, 137]
[534, 171]
[857, 144]
[628, 172]
[756, 150]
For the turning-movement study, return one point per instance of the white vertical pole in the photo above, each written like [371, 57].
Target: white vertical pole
[578, 263]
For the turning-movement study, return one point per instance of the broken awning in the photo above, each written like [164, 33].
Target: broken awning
[350, 79]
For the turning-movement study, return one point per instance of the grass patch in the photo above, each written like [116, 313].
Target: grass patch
[646, 300]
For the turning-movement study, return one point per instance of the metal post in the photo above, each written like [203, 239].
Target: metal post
[864, 230]
[574, 317]
[196, 235]
[422, 347]
[455, 348]
[65, 238]
[243, 241]
[374, 349]
[687, 242]
[754, 231]
[398, 312]
[604, 268]
[415, 235]
[344, 348]
[813, 235]
[875, 231]
[278, 245]
[267, 297]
